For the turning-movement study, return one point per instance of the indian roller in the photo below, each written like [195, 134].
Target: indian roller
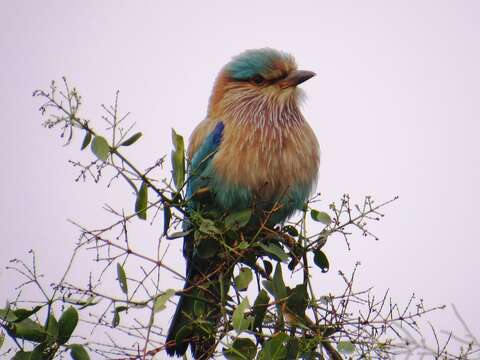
[254, 150]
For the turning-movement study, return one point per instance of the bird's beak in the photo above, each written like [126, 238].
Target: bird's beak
[295, 78]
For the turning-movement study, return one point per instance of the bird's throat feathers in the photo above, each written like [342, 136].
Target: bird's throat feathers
[242, 104]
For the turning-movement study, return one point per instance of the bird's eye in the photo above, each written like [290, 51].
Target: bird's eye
[258, 80]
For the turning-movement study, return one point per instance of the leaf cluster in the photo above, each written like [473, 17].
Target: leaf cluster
[48, 338]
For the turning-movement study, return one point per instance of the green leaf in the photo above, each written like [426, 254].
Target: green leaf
[238, 219]
[274, 349]
[86, 303]
[290, 230]
[66, 324]
[321, 260]
[86, 140]
[27, 329]
[207, 248]
[345, 347]
[178, 160]
[278, 284]
[116, 315]
[161, 300]
[275, 250]
[321, 216]
[78, 352]
[260, 307]
[268, 284]
[243, 245]
[321, 241]
[22, 355]
[142, 201]
[40, 351]
[296, 253]
[208, 227]
[238, 319]
[7, 315]
[116, 319]
[178, 234]
[132, 139]
[298, 300]
[243, 279]
[2, 338]
[52, 326]
[267, 265]
[241, 349]
[122, 278]
[167, 216]
[100, 147]
[25, 313]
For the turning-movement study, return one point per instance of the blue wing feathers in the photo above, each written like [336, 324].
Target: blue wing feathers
[208, 147]
[217, 133]
[201, 160]
[198, 178]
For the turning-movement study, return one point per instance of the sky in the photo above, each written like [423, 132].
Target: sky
[394, 105]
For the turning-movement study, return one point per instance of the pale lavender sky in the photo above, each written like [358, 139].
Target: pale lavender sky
[395, 107]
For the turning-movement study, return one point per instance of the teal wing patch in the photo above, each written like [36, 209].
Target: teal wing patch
[198, 177]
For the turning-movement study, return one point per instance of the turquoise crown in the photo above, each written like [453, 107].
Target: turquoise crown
[251, 63]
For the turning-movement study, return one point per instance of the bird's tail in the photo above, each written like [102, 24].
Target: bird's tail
[179, 320]
[198, 311]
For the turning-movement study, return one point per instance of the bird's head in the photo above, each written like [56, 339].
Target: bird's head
[258, 78]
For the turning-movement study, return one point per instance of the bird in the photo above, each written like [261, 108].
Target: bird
[253, 150]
